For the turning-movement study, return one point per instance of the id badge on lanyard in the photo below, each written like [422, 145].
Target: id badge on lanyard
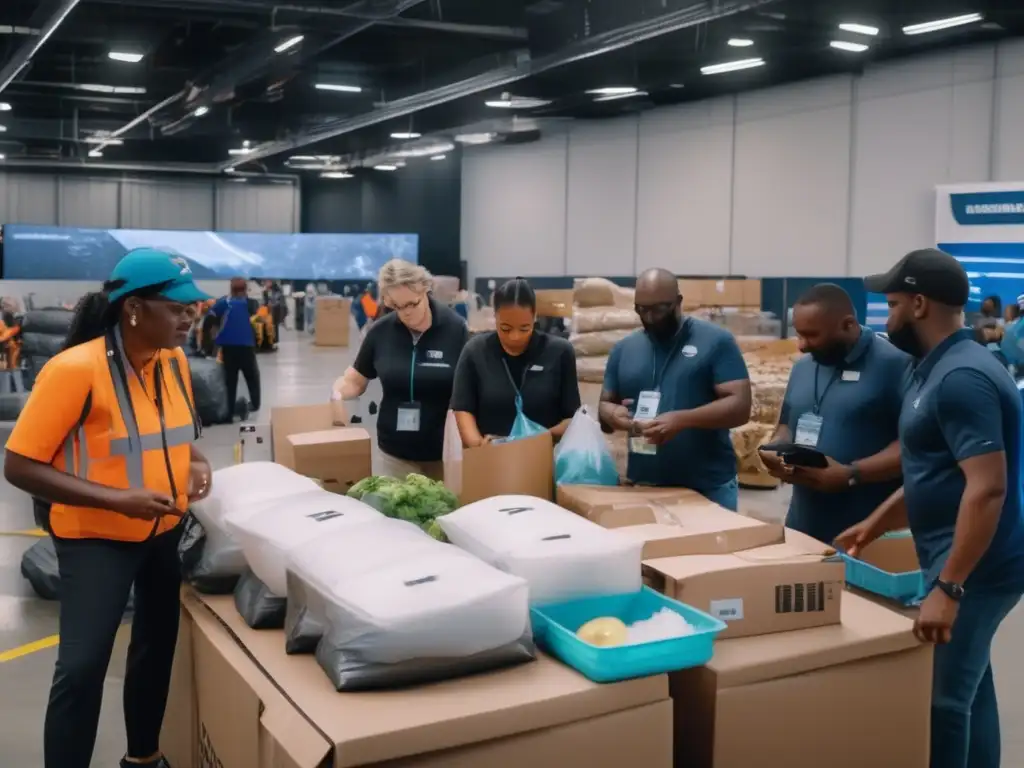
[409, 413]
[809, 425]
[648, 403]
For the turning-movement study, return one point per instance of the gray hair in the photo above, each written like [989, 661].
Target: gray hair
[398, 273]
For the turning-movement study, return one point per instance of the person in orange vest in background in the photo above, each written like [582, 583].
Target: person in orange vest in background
[107, 438]
[369, 303]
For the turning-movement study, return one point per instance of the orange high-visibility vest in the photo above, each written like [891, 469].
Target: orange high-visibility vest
[369, 306]
[136, 431]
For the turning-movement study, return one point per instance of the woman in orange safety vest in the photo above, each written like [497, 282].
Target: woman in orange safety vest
[107, 438]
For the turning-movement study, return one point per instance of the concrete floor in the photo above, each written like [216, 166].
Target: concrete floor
[298, 373]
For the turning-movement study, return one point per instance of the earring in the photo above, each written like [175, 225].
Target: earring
[133, 320]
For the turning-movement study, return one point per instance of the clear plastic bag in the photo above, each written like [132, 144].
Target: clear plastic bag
[522, 426]
[452, 448]
[440, 614]
[582, 457]
[561, 555]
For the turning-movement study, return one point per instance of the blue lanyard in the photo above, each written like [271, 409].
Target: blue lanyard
[681, 336]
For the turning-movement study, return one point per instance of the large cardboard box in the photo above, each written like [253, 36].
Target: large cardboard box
[286, 421]
[790, 698]
[333, 321]
[680, 529]
[598, 503]
[524, 467]
[238, 701]
[339, 458]
[776, 588]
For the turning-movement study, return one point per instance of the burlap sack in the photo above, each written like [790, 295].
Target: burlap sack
[590, 319]
[596, 343]
[591, 369]
[593, 292]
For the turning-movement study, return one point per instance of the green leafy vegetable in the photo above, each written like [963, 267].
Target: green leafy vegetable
[416, 499]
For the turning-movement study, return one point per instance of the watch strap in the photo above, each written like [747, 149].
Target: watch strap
[953, 591]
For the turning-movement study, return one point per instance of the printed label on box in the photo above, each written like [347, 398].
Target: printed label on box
[727, 610]
[802, 598]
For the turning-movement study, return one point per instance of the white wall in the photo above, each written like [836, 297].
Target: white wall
[828, 177]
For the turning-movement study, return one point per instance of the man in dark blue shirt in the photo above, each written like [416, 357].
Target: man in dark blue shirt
[677, 387]
[960, 439]
[843, 399]
[237, 343]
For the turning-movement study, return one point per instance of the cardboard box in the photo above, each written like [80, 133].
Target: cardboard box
[777, 588]
[895, 554]
[333, 321]
[609, 505]
[339, 458]
[786, 699]
[707, 529]
[297, 419]
[524, 467]
[238, 701]
[554, 303]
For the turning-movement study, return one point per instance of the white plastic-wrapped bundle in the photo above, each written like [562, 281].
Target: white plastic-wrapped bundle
[269, 535]
[435, 615]
[561, 555]
[317, 565]
[211, 559]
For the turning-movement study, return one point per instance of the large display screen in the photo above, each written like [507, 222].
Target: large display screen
[71, 253]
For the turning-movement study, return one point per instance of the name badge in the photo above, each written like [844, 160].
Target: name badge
[808, 430]
[647, 403]
[408, 417]
[851, 375]
[638, 444]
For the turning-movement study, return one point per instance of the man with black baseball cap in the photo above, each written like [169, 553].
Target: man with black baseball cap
[960, 451]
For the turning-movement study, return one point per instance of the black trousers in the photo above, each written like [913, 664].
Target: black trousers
[96, 577]
[241, 359]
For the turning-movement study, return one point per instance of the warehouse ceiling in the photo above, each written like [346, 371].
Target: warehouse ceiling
[329, 86]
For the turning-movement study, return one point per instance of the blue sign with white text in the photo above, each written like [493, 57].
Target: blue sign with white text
[988, 208]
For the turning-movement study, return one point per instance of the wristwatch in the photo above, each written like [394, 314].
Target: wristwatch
[854, 479]
[955, 592]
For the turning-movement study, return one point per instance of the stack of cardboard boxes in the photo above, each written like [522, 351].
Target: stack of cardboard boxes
[804, 666]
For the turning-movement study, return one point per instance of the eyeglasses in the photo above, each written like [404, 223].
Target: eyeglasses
[407, 306]
[661, 308]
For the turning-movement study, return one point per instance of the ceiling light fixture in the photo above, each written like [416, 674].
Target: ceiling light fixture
[439, 157]
[124, 56]
[4, 106]
[517, 102]
[336, 175]
[676, 85]
[3, 129]
[859, 29]
[844, 45]
[405, 135]
[239, 150]
[3, 156]
[385, 167]
[731, 66]
[100, 88]
[291, 42]
[475, 138]
[338, 88]
[103, 140]
[95, 153]
[201, 111]
[617, 96]
[740, 42]
[938, 24]
[613, 90]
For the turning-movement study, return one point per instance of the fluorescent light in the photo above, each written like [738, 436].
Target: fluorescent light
[935, 26]
[740, 42]
[474, 138]
[291, 42]
[676, 85]
[103, 140]
[406, 135]
[385, 167]
[859, 29]
[617, 96]
[614, 90]
[95, 153]
[843, 45]
[3, 129]
[3, 156]
[246, 143]
[517, 102]
[230, 170]
[240, 151]
[4, 106]
[439, 157]
[127, 58]
[336, 175]
[201, 111]
[731, 66]
[100, 88]
[338, 88]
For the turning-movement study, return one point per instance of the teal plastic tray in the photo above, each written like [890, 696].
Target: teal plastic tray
[555, 631]
[907, 587]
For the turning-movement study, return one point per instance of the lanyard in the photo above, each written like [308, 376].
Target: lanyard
[412, 369]
[681, 336]
[522, 385]
[818, 401]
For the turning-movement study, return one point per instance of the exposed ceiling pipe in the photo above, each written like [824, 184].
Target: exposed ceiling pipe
[202, 169]
[31, 47]
[140, 119]
[596, 45]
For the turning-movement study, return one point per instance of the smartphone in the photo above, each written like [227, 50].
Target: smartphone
[797, 455]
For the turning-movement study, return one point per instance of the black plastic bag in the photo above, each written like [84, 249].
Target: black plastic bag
[304, 619]
[210, 391]
[195, 570]
[349, 671]
[54, 322]
[39, 566]
[41, 344]
[258, 606]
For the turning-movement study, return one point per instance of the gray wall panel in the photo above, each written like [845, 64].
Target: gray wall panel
[89, 202]
[243, 207]
[167, 205]
[28, 198]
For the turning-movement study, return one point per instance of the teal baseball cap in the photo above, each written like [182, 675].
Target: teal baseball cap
[143, 268]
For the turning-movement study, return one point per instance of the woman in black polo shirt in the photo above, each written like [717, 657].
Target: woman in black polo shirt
[515, 360]
[413, 350]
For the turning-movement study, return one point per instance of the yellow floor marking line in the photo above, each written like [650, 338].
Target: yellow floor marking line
[29, 648]
[38, 533]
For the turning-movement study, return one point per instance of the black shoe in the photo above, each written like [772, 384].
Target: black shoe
[160, 762]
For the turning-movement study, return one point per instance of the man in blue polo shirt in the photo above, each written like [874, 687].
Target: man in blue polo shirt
[843, 399]
[677, 387]
[960, 439]
[237, 343]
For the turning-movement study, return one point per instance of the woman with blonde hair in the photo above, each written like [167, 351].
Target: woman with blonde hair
[413, 350]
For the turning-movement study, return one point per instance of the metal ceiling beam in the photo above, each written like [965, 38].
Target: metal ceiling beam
[596, 45]
[200, 169]
[31, 47]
